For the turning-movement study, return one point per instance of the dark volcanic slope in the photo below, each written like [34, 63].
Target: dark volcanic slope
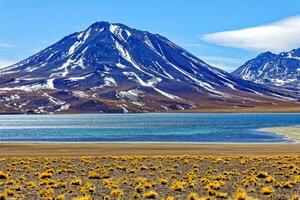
[114, 68]
[272, 69]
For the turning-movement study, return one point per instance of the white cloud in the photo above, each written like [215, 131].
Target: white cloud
[6, 46]
[279, 36]
[224, 63]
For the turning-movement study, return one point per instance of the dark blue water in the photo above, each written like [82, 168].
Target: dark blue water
[188, 127]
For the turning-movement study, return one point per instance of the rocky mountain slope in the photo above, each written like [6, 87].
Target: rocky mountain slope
[273, 69]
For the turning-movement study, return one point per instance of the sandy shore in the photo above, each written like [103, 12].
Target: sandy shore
[96, 149]
[291, 132]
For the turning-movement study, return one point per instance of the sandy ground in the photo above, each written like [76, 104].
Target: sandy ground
[292, 132]
[99, 149]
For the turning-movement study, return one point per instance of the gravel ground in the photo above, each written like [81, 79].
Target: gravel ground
[150, 177]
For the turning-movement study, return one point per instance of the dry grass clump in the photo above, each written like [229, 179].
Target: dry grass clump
[31, 184]
[192, 196]
[178, 185]
[45, 175]
[262, 175]
[116, 193]
[267, 190]
[3, 175]
[150, 194]
[76, 182]
[151, 177]
[162, 181]
[242, 195]
[94, 175]
[3, 196]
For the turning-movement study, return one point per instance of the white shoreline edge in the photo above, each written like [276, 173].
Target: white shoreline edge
[143, 142]
[281, 130]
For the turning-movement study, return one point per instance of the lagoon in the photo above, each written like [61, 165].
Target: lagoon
[165, 127]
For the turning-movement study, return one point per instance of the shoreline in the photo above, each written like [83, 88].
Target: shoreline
[146, 149]
[204, 111]
[290, 132]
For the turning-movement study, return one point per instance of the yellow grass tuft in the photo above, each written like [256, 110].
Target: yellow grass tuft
[76, 182]
[94, 175]
[267, 190]
[262, 175]
[30, 184]
[3, 175]
[45, 175]
[3, 196]
[192, 196]
[177, 185]
[150, 195]
[60, 197]
[116, 193]
[82, 198]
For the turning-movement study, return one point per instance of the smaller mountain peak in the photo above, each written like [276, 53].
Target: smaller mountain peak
[295, 52]
[267, 53]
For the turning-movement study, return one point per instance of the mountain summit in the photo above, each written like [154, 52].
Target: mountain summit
[110, 67]
[272, 69]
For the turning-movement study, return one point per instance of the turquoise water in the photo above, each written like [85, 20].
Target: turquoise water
[188, 127]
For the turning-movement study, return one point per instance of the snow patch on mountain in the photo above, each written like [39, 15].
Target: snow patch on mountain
[33, 87]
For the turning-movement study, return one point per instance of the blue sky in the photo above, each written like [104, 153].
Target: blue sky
[225, 33]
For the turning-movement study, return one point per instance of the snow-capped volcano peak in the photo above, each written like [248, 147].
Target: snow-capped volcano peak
[114, 63]
[118, 30]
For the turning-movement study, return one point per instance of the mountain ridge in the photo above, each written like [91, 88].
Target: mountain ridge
[267, 68]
